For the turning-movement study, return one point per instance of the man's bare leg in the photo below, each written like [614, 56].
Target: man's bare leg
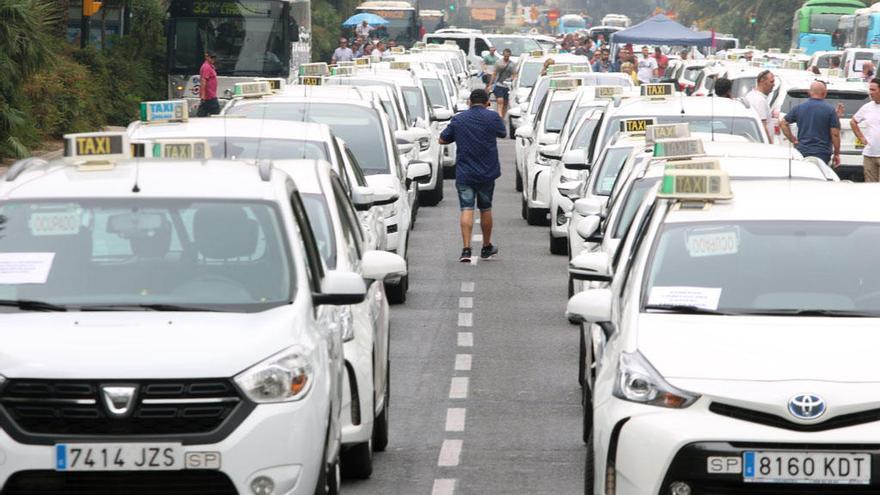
[486, 226]
[467, 227]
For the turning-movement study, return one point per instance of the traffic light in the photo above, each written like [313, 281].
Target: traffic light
[452, 7]
[753, 19]
[90, 7]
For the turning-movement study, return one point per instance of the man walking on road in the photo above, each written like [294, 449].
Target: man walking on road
[757, 99]
[866, 126]
[505, 73]
[208, 104]
[818, 127]
[476, 168]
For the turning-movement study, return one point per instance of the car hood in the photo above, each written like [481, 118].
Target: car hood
[385, 180]
[131, 345]
[761, 348]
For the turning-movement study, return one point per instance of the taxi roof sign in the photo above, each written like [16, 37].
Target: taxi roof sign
[276, 84]
[164, 111]
[712, 164]
[96, 147]
[400, 65]
[565, 83]
[666, 131]
[608, 91]
[695, 185]
[398, 49]
[314, 69]
[419, 44]
[253, 89]
[794, 64]
[636, 126]
[557, 69]
[344, 71]
[185, 149]
[312, 80]
[662, 89]
[536, 53]
[679, 148]
[581, 68]
[346, 63]
[450, 43]
[774, 50]
[362, 61]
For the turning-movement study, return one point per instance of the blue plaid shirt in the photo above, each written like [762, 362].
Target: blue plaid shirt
[475, 131]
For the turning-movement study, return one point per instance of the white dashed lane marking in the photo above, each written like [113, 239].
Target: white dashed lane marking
[463, 362]
[465, 339]
[465, 302]
[455, 418]
[467, 286]
[450, 453]
[465, 319]
[458, 387]
[443, 487]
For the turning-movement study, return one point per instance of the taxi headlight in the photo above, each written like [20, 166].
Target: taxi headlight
[638, 381]
[388, 211]
[543, 160]
[284, 377]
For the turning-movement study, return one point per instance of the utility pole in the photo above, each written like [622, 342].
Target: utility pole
[89, 8]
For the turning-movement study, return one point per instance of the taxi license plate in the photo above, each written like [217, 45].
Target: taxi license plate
[118, 457]
[807, 467]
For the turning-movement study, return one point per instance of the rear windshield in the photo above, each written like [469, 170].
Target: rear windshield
[746, 127]
[850, 102]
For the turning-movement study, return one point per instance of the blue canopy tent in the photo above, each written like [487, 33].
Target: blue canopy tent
[661, 30]
[372, 20]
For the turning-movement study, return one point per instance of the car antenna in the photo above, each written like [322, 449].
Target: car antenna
[712, 118]
[137, 172]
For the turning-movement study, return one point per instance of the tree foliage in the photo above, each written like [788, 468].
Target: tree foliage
[771, 29]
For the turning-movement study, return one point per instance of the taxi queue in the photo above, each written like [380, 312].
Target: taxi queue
[700, 282]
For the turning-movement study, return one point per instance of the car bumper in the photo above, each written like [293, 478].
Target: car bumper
[851, 166]
[281, 441]
[652, 447]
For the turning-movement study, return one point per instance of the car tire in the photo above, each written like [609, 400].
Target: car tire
[397, 292]
[558, 245]
[522, 211]
[449, 172]
[589, 467]
[432, 197]
[357, 461]
[511, 132]
[570, 286]
[587, 400]
[330, 477]
[519, 181]
[582, 358]
[380, 423]
[535, 216]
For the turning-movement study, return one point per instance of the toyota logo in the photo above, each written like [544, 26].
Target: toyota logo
[806, 406]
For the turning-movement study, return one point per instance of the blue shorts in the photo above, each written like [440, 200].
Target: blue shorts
[482, 194]
[501, 91]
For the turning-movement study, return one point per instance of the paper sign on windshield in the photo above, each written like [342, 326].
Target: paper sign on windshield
[699, 297]
[25, 268]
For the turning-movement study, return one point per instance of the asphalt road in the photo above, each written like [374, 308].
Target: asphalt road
[484, 399]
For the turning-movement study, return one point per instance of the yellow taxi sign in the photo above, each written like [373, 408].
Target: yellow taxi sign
[164, 111]
[311, 80]
[679, 148]
[536, 53]
[188, 149]
[419, 44]
[346, 63]
[565, 83]
[362, 61]
[608, 91]
[695, 185]
[662, 89]
[97, 147]
[314, 69]
[398, 50]
[553, 51]
[774, 50]
[794, 65]
[833, 72]
[276, 84]
[732, 56]
[657, 132]
[253, 89]
[558, 69]
[635, 126]
[344, 71]
[400, 65]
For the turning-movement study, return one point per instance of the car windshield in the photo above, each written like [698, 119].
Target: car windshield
[824, 23]
[767, 266]
[850, 101]
[322, 226]
[556, 115]
[609, 168]
[692, 73]
[358, 126]
[746, 127]
[436, 93]
[741, 86]
[585, 133]
[516, 44]
[631, 204]
[208, 255]
[415, 103]
[530, 73]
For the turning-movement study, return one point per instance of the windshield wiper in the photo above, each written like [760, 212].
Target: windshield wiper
[29, 305]
[685, 309]
[846, 313]
[145, 307]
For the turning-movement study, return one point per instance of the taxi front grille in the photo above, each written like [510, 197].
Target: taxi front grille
[47, 411]
[112, 483]
[752, 416]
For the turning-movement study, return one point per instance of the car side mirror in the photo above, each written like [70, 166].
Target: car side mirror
[576, 160]
[550, 151]
[405, 146]
[418, 171]
[362, 198]
[525, 133]
[383, 195]
[515, 112]
[549, 138]
[591, 306]
[592, 267]
[588, 206]
[340, 289]
[588, 226]
[381, 265]
[442, 115]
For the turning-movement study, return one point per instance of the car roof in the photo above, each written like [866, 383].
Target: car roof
[305, 173]
[757, 167]
[346, 92]
[231, 126]
[311, 98]
[681, 105]
[796, 200]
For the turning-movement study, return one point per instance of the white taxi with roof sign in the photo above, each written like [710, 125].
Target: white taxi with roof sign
[700, 281]
[187, 305]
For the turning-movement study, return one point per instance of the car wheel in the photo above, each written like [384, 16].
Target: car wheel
[588, 413]
[449, 172]
[432, 197]
[357, 461]
[397, 292]
[558, 245]
[330, 477]
[519, 181]
[535, 216]
[511, 133]
[570, 286]
[582, 358]
[589, 467]
[380, 424]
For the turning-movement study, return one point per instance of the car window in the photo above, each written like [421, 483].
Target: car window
[480, 46]
[322, 226]
[609, 168]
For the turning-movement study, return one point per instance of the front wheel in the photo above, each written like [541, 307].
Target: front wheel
[357, 461]
[558, 245]
[519, 181]
[589, 467]
[330, 477]
[380, 424]
[397, 292]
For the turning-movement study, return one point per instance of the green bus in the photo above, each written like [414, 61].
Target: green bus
[815, 23]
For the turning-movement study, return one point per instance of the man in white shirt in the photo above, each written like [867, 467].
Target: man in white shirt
[647, 66]
[363, 30]
[757, 99]
[866, 126]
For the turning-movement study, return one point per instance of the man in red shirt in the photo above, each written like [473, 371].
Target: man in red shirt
[208, 91]
[662, 60]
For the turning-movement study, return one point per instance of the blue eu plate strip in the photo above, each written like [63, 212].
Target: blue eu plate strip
[60, 457]
[749, 467]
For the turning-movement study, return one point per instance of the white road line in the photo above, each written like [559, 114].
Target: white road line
[477, 238]
[458, 387]
[467, 286]
[463, 362]
[443, 487]
[477, 220]
[474, 260]
[455, 418]
[465, 319]
[465, 339]
[465, 302]
[450, 453]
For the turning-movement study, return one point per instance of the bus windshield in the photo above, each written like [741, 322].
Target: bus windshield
[824, 23]
[401, 27]
[248, 37]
